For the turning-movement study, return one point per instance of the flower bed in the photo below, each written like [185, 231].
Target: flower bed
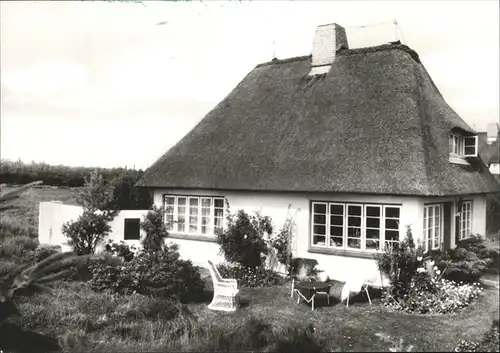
[419, 287]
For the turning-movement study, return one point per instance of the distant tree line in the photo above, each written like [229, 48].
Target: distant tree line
[127, 196]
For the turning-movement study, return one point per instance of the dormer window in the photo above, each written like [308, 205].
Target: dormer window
[462, 146]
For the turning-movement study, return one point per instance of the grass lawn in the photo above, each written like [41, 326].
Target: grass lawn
[75, 314]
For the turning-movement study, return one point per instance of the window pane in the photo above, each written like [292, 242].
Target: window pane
[205, 211]
[373, 222]
[319, 218]
[206, 202]
[373, 211]
[392, 212]
[319, 208]
[470, 150]
[218, 212]
[354, 221]
[354, 210]
[319, 230]
[219, 203]
[336, 241]
[181, 201]
[430, 211]
[391, 235]
[354, 232]
[337, 209]
[336, 231]
[319, 240]
[372, 244]
[354, 243]
[372, 234]
[336, 220]
[169, 219]
[193, 201]
[218, 222]
[391, 224]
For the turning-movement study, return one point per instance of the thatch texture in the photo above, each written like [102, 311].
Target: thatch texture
[376, 123]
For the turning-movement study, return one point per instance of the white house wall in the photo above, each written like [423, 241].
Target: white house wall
[276, 206]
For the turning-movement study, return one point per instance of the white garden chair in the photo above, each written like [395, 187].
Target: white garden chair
[356, 283]
[226, 292]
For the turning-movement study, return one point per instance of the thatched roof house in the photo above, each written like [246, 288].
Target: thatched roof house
[340, 126]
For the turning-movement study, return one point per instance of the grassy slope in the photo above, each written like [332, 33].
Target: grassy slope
[25, 209]
[75, 307]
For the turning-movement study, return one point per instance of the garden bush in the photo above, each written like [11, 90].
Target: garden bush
[250, 276]
[159, 274]
[120, 249]
[467, 262]
[243, 241]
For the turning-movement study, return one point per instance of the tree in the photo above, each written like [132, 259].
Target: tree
[99, 208]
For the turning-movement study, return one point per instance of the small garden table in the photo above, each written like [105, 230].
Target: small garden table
[311, 289]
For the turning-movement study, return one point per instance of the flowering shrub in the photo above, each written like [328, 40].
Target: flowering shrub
[121, 249]
[250, 276]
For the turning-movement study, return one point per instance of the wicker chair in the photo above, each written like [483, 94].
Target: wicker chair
[226, 292]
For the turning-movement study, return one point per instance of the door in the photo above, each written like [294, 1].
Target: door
[448, 217]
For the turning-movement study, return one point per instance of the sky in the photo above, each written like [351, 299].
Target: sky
[115, 84]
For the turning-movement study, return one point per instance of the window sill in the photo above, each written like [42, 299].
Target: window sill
[458, 160]
[204, 238]
[343, 252]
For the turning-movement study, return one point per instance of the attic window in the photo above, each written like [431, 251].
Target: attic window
[463, 146]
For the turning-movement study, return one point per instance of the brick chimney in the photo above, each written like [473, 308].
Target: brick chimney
[328, 39]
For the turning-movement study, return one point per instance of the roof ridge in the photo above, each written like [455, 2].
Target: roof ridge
[348, 52]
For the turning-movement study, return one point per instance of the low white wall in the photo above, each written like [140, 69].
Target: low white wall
[54, 214]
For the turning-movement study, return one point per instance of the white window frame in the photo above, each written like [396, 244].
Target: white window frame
[431, 231]
[174, 227]
[465, 222]
[458, 144]
[363, 227]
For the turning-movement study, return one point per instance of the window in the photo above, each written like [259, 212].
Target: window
[465, 224]
[433, 215]
[463, 146]
[132, 229]
[354, 226]
[194, 214]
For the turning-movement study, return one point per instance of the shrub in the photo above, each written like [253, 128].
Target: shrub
[99, 209]
[400, 263]
[160, 274]
[243, 240]
[250, 276]
[467, 262]
[155, 229]
[121, 249]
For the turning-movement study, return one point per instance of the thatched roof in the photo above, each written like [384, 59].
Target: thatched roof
[376, 123]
